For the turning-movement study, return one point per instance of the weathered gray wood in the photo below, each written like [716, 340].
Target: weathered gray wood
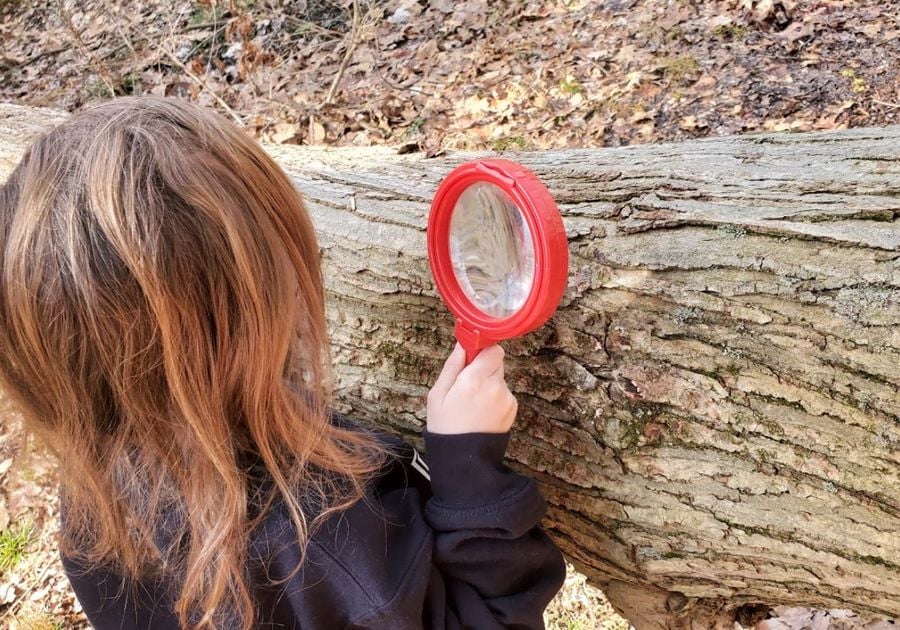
[715, 410]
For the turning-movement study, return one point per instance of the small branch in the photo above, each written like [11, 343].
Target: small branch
[886, 103]
[204, 85]
[41, 55]
[397, 86]
[313, 26]
[213, 51]
[126, 41]
[354, 40]
[204, 25]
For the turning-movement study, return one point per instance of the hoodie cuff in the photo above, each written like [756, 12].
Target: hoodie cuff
[467, 469]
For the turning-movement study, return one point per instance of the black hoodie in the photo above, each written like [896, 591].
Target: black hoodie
[463, 551]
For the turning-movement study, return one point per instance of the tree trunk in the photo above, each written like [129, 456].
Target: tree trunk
[714, 411]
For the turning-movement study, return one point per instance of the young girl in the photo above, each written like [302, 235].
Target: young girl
[162, 327]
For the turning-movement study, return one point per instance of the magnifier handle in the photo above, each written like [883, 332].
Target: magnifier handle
[472, 341]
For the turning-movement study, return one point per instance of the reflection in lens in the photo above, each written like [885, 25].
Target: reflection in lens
[491, 250]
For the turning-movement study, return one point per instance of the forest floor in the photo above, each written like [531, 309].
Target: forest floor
[438, 74]
[432, 76]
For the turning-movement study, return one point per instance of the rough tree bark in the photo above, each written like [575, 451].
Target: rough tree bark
[714, 411]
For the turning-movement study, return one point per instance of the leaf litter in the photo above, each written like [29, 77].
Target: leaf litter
[471, 75]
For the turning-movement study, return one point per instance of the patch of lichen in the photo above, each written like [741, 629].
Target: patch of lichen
[645, 424]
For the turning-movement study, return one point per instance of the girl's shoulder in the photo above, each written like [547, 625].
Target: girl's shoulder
[366, 553]
[405, 466]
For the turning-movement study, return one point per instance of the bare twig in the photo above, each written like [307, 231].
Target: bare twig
[41, 55]
[354, 40]
[397, 86]
[886, 103]
[313, 26]
[203, 25]
[213, 48]
[110, 10]
[204, 85]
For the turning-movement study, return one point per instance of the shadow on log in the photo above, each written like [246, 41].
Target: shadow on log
[714, 411]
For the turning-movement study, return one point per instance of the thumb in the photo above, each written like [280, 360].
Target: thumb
[452, 367]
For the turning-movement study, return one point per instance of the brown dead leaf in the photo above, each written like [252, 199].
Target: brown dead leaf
[689, 123]
[409, 147]
[704, 82]
[764, 10]
[7, 593]
[444, 6]
[873, 29]
[197, 66]
[720, 21]
[781, 125]
[797, 30]
[473, 106]
[642, 115]
[675, 15]
[625, 53]
[283, 132]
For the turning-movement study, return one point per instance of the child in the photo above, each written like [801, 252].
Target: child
[162, 327]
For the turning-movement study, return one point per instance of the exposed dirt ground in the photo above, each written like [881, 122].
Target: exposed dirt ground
[431, 76]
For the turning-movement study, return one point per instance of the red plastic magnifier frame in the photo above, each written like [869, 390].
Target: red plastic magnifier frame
[476, 329]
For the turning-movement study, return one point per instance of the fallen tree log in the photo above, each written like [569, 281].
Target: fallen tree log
[714, 411]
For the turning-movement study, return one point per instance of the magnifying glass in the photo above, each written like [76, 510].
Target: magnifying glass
[498, 252]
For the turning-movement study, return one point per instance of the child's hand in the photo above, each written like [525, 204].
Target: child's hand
[473, 398]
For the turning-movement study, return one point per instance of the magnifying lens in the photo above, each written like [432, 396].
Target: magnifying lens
[498, 251]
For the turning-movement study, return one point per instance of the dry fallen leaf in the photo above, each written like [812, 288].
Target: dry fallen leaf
[689, 123]
[7, 593]
[798, 30]
[282, 132]
[409, 147]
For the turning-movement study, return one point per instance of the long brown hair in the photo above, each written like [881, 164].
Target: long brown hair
[162, 327]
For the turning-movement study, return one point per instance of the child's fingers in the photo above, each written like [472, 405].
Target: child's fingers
[499, 375]
[452, 367]
[486, 363]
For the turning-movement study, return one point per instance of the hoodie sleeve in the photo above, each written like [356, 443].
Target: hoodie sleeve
[498, 568]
